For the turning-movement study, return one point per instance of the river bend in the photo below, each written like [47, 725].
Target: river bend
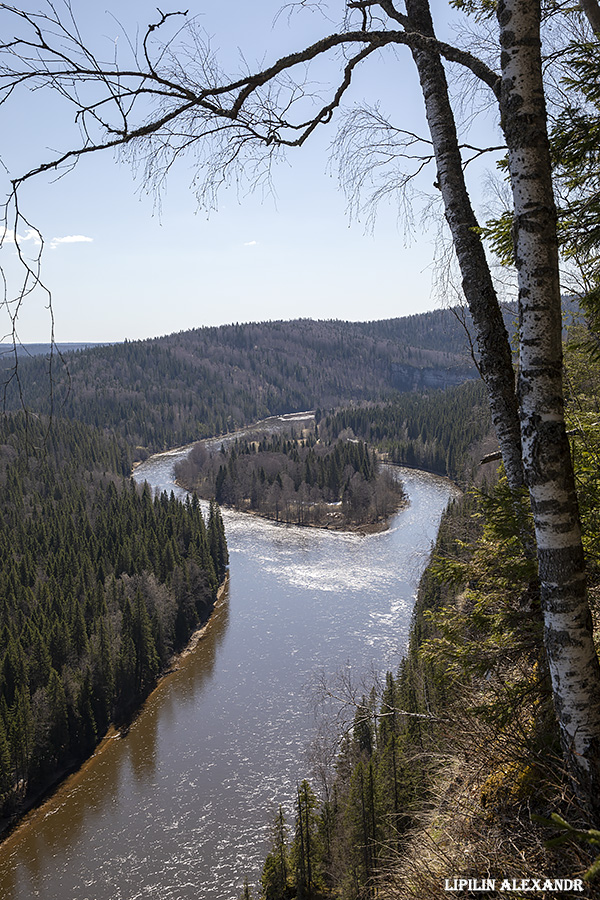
[180, 807]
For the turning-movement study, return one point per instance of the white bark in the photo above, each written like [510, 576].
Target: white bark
[492, 338]
[572, 658]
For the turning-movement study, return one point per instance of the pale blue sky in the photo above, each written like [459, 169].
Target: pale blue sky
[140, 274]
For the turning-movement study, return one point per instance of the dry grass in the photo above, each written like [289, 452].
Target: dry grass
[477, 823]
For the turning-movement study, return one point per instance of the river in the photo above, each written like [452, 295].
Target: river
[180, 807]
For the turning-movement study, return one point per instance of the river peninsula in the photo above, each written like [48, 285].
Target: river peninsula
[288, 471]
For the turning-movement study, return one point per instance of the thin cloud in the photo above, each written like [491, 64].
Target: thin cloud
[8, 236]
[70, 239]
[250, 243]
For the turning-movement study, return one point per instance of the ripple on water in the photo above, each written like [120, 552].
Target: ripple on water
[181, 808]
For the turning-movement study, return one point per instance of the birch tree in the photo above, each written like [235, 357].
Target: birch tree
[492, 339]
[240, 124]
[569, 643]
[591, 10]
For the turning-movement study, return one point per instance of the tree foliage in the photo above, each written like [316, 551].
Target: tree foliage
[99, 584]
[300, 480]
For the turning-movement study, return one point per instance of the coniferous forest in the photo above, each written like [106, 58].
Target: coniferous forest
[438, 431]
[100, 583]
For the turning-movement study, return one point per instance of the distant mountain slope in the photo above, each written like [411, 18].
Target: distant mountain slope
[42, 349]
[175, 389]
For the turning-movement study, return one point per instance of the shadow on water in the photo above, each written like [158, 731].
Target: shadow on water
[176, 691]
[85, 796]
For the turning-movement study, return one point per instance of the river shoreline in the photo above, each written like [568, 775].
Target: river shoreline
[340, 528]
[182, 806]
[10, 824]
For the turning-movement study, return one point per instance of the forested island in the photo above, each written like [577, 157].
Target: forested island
[298, 480]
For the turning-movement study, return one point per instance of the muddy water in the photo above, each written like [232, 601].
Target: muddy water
[179, 808]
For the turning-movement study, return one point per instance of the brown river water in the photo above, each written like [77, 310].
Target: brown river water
[179, 808]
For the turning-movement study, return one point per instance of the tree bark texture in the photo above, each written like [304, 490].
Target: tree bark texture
[492, 338]
[572, 658]
[592, 13]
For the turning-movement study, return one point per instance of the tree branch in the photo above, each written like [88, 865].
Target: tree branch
[38, 58]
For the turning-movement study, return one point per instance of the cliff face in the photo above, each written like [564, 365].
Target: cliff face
[410, 378]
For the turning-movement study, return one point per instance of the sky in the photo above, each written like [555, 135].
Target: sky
[121, 265]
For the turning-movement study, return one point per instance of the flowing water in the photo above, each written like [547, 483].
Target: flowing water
[180, 807]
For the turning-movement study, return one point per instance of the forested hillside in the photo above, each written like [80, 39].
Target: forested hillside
[452, 766]
[26, 350]
[170, 391]
[99, 584]
[436, 430]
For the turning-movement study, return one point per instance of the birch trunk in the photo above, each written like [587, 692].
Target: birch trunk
[492, 338]
[572, 658]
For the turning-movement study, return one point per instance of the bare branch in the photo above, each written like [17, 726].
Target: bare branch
[234, 125]
[42, 61]
[377, 160]
[460, 315]
[393, 13]
[150, 29]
